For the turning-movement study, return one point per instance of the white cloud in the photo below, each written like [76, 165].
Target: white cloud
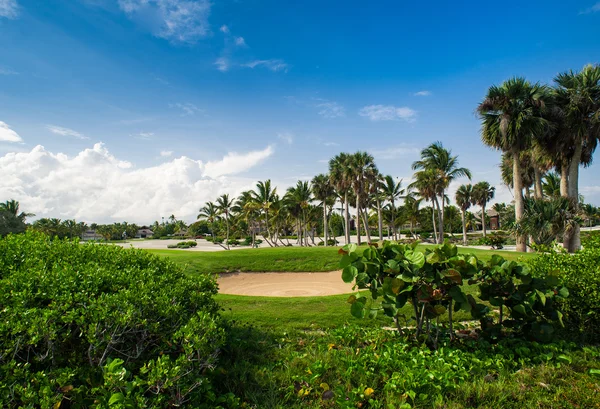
[396, 152]
[187, 108]
[146, 136]
[331, 144]
[330, 109]
[388, 113]
[594, 9]
[286, 137]
[95, 186]
[224, 29]
[166, 154]
[240, 42]
[273, 65]
[179, 21]
[7, 134]
[9, 9]
[59, 130]
[222, 64]
[424, 93]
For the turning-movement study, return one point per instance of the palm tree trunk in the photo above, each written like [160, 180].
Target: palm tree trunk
[393, 221]
[365, 220]
[564, 179]
[433, 210]
[325, 222]
[442, 215]
[483, 224]
[227, 225]
[380, 219]
[519, 204]
[537, 193]
[440, 236]
[358, 220]
[464, 226]
[347, 218]
[575, 235]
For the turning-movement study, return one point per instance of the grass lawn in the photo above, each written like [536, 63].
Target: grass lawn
[302, 259]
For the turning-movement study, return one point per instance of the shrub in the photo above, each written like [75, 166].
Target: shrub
[98, 326]
[330, 242]
[425, 235]
[580, 273]
[233, 242]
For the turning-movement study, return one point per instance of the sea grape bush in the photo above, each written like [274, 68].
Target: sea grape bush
[434, 283]
[96, 326]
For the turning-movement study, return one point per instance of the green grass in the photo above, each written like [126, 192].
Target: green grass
[301, 259]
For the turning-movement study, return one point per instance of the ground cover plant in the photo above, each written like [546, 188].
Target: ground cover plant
[98, 326]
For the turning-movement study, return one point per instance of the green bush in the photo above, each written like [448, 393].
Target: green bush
[580, 273]
[233, 242]
[95, 326]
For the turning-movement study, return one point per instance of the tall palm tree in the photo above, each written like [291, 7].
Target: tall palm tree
[264, 195]
[224, 205]
[464, 200]
[577, 94]
[392, 191]
[512, 115]
[482, 193]
[427, 184]
[364, 174]
[440, 159]
[12, 206]
[323, 190]
[246, 208]
[298, 197]
[340, 176]
[210, 213]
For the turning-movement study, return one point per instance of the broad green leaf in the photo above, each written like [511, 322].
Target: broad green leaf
[564, 358]
[439, 309]
[595, 372]
[358, 310]
[520, 308]
[373, 313]
[351, 299]
[349, 273]
[397, 285]
[116, 398]
[541, 296]
[563, 292]
[457, 294]
[416, 258]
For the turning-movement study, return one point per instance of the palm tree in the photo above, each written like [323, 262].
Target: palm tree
[224, 205]
[546, 220]
[364, 174]
[512, 116]
[340, 177]
[323, 190]
[482, 193]
[464, 200]
[440, 159]
[577, 94]
[12, 206]
[249, 211]
[427, 183]
[298, 199]
[264, 195]
[392, 191]
[210, 213]
[551, 185]
[589, 212]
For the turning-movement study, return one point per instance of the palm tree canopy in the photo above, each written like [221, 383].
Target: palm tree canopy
[482, 193]
[322, 188]
[464, 197]
[435, 156]
[391, 189]
[12, 206]
[512, 114]
[551, 185]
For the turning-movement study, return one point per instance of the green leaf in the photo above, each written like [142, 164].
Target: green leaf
[595, 372]
[349, 273]
[560, 318]
[116, 398]
[552, 278]
[457, 294]
[520, 308]
[416, 258]
[564, 358]
[351, 299]
[373, 313]
[541, 296]
[358, 310]
[345, 261]
[397, 285]
[563, 292]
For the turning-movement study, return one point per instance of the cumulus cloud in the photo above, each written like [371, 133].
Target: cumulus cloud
[222, 64]
[273, 65]
[179, 21]
[424, 93]
[388, 113]
[95, 186]
[9, 9]
[7, 134]
[59, 130]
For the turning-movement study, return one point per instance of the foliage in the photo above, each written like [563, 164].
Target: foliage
[580, 272]
[546, 220]
[183, 245]
[434, 284]
[10, 224]
[495, 241]
[100, 326]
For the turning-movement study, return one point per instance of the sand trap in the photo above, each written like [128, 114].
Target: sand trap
[283, 284]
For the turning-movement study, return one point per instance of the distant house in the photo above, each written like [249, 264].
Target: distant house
[91, 235]
[144, 233]
[493, 217]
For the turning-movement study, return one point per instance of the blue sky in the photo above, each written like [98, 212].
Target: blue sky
[190, 99]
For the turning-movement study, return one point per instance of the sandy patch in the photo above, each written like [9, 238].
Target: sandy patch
[283, 284]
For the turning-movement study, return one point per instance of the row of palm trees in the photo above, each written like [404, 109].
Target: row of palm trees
[540, 127]
[353, 181]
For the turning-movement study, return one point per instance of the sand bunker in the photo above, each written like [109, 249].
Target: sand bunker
[283, 284]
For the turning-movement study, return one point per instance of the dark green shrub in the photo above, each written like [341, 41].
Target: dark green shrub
[100, 326]
[580, 273]
[233, 242]
[9, 223]
[425, 235]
